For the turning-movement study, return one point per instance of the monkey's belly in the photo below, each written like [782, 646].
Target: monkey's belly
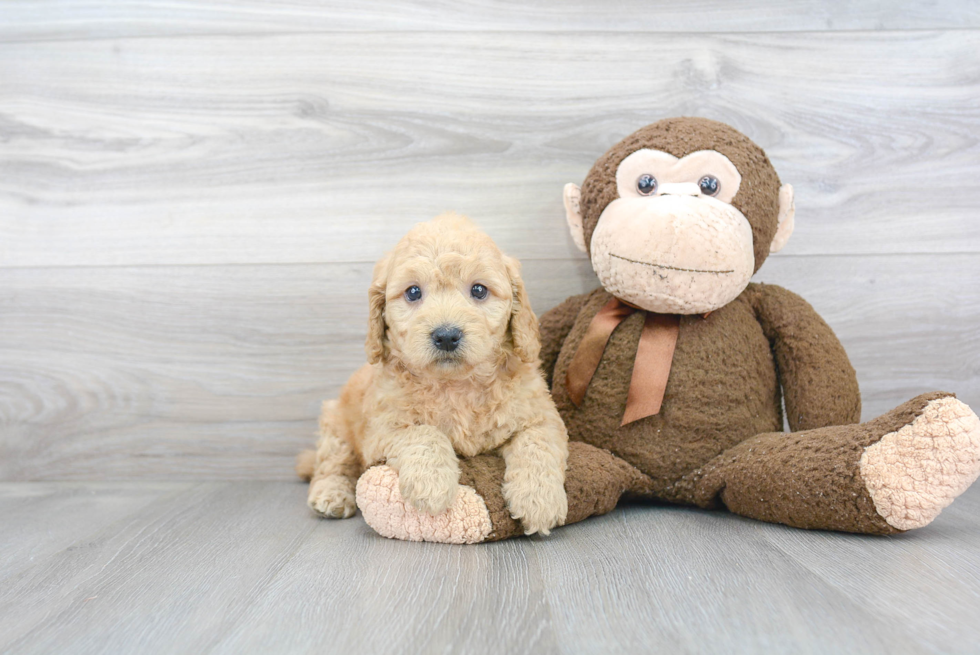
[722, 390]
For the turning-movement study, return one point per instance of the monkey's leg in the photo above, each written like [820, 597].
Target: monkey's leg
[594, 482]
[891, 474]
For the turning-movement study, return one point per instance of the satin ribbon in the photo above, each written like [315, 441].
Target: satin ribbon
[651, 366]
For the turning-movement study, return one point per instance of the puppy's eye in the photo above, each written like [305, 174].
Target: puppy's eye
[479, 291]
[413, 293]
[710, 186]
[646, 185]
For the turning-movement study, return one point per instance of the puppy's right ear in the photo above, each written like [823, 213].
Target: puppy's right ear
[374, 345]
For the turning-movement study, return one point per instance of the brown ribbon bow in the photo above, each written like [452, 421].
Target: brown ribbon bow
[651, 367]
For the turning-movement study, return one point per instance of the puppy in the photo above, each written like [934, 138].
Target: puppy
[453, 370]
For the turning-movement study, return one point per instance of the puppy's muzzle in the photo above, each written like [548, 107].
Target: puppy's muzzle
[447, 338]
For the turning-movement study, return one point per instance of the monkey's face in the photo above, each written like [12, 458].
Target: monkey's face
[666, 232]
[671, 242]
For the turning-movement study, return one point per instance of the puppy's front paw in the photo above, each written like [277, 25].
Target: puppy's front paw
[429, 488]
[333, 497]
[539, 506]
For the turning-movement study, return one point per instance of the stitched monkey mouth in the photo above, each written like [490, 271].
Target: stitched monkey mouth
[670, 268]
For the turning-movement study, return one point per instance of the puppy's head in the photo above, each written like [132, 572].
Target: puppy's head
[446, 300]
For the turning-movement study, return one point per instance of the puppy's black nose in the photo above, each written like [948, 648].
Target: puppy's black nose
[447, 338]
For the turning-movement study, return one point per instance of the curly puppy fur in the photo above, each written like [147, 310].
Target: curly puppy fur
[417, 407]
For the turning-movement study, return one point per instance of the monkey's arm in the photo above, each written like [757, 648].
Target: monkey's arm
[819, 383]
[556, 323]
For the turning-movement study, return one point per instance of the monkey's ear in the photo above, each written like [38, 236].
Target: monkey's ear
[574, 215]
[787, 212]
[374, 345]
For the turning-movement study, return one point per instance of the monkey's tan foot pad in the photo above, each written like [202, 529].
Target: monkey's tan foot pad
[916, 471]
[467, 520]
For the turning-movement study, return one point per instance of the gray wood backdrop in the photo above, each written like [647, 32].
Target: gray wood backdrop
[192, 193]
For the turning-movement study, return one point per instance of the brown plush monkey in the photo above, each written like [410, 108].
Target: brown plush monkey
[671, 377]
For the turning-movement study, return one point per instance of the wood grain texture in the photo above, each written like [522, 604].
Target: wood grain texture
[308, 148]
[218, 371]
[167, 587]
[64, 19]
[870, 570]
[246, 568]
[40, 520]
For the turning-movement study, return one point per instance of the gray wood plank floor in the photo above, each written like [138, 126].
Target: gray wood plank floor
[243, 567]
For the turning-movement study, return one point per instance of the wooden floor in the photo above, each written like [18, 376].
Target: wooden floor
[243, 567]
[192, 196]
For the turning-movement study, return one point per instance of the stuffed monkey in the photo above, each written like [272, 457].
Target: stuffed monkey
[671, 377]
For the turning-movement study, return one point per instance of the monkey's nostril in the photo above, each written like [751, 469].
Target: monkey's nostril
[447, 338]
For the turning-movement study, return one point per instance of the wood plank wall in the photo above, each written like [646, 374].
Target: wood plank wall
[192, 194]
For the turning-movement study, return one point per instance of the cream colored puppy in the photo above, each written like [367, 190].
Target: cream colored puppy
[452, 370]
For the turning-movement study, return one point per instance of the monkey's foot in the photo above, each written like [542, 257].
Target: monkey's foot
[916, 471]
[467, 520]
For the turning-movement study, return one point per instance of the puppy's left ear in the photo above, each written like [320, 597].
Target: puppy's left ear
[523, 323]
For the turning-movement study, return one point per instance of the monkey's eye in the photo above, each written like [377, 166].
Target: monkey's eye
[646, 184]
[413, 293]
[479, 291]
[710, 186]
